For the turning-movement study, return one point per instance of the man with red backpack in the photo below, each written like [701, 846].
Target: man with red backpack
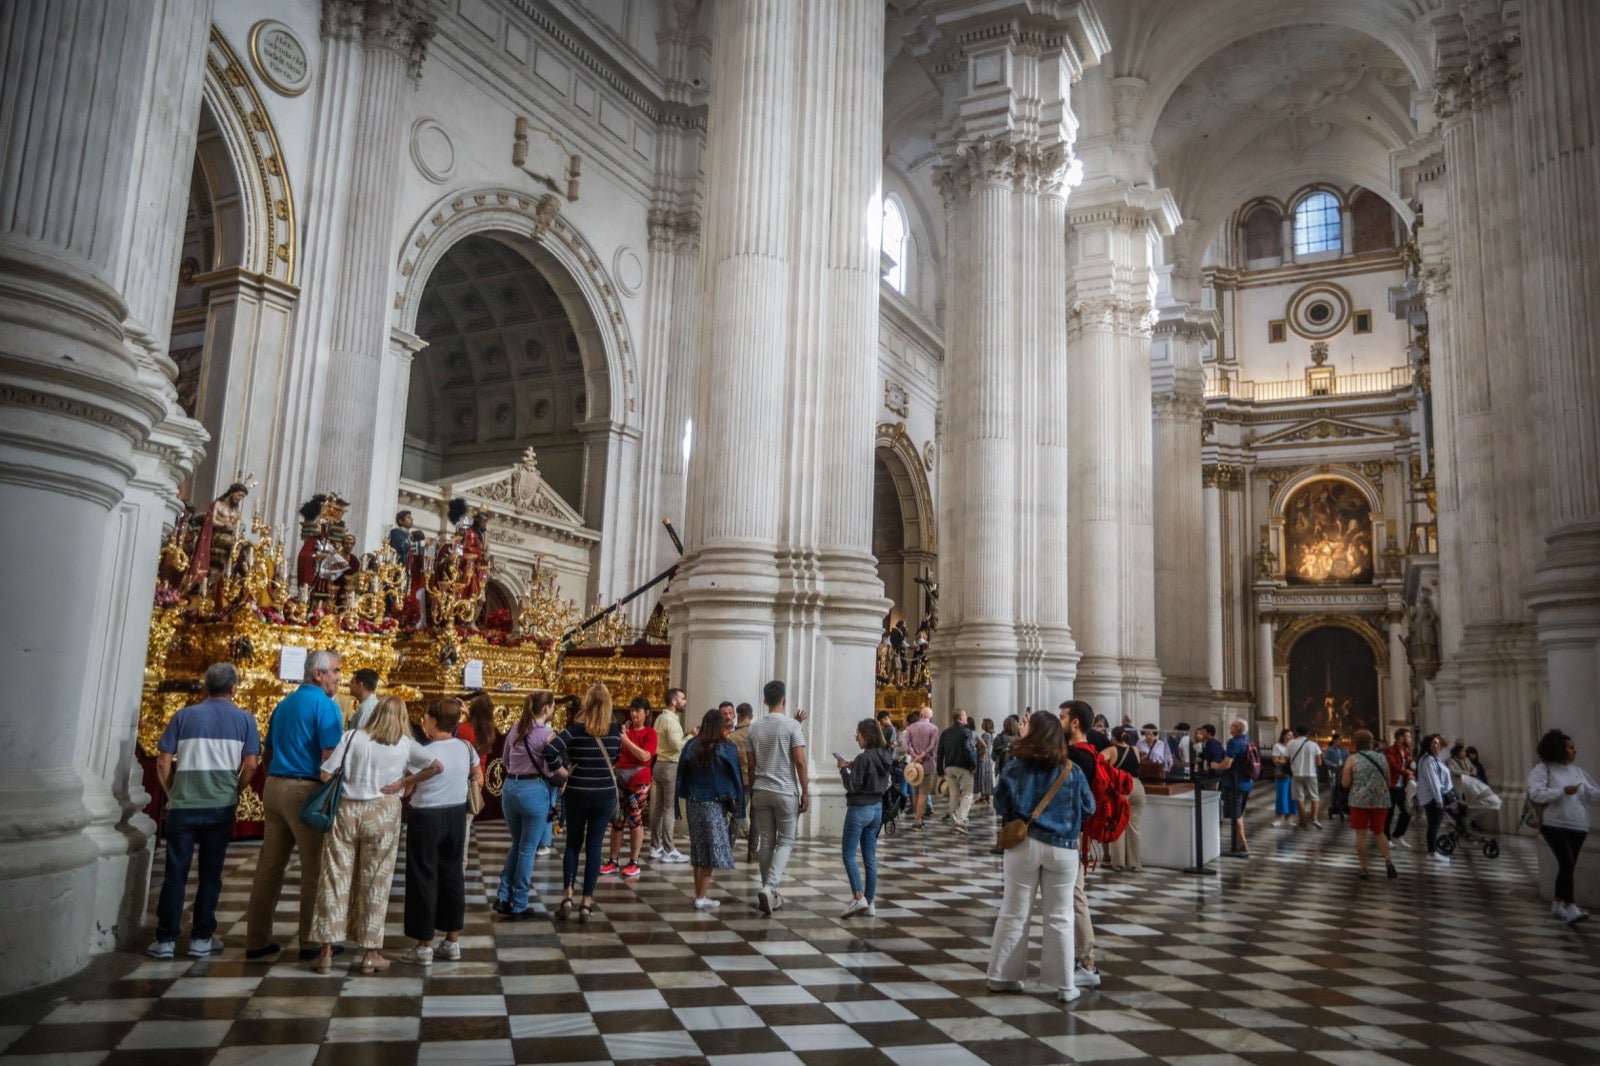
[1110, 786]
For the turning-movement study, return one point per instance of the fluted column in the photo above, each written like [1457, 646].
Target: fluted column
[1559, 120]
[1399, 694]
[1266, 678]
[1212, 501]
[393, 34]
[86, 85]
[722, 599]
[1114, 249]
[1183, 624]
[1004, 639]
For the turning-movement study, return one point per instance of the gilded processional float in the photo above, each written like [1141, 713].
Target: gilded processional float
[426, 612]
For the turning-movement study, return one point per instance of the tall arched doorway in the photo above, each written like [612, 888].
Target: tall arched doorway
[903, 538]
[503, 371]
[1333, 682]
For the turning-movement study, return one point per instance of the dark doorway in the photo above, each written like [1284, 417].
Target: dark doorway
[1333, 683]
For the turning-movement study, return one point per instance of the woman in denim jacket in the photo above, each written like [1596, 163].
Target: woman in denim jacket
[711, 784]
[1046, 862]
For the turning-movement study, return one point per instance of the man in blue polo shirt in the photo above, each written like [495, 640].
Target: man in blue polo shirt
[207, 751]
[304, 729]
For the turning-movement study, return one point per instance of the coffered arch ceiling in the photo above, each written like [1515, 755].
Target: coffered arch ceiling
[503, 368]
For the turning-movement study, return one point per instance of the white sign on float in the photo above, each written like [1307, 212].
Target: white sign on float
[472, 674]
[291, 663]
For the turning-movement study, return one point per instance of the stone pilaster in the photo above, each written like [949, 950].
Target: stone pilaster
[1114, 248]
[82, 392]
[1559, 174]
[394, 37]
[1183, 626]
[1004, 640]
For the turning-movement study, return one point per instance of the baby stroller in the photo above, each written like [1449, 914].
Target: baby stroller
[894, 797]
[1472, 797]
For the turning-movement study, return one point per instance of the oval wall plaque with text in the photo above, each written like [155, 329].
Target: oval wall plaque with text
[279, 58]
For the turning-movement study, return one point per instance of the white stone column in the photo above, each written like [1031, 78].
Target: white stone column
[1004, 638]
[1559, 174]
[88, 84]
[1399, 695]
[294, 475]
[1114, 249]
[722, 599]
[393, 36]
[1266, 676]
[1184, 621]
[1212, 497]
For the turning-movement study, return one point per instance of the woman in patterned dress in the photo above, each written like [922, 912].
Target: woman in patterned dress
[1365, 778]
[985, 775]
[711, 783]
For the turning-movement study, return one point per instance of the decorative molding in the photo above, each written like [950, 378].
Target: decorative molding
[896, 399]
[279, 58]
[1225, 476]
[1328, 614]
[1111, 314]
[271, 235]
[432, 151]
[677, 231]
[1321, 427]
[1027, 165]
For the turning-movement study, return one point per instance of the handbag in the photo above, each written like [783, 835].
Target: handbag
[1015, 831]
[474, 790]
[321, 808]
[1532, 814]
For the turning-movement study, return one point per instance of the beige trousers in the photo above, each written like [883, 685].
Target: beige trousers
[357, 873]
[283, 833]
[1124, 851]
[960, 793]
[1082, 928]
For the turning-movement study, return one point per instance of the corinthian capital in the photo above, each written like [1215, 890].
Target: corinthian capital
[1013, 163]
[403, 27]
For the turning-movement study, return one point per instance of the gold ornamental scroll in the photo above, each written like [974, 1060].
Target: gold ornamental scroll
[629, 672]
[433, 662]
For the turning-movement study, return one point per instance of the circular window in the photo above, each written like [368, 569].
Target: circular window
[1318, 311]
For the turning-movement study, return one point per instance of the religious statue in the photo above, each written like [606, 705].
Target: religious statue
[214, 540]
[321, 562]
[1423, 643]
[930, 591]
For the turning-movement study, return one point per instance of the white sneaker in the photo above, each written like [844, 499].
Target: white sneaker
[1401, 841]
[1316, 823]
[1082, 977]
[707, 904]
[1439, 857]
[543, 851]
[656, 853]
[855, 906]
[1573, 915]
[872, 909]
[1558, 909]
[206, 947]
[1067, 995]
[1005, 986]
[675, 856]
[450, 951]
[777, 901]
[418, 956]
[764, 900]
[161, 949]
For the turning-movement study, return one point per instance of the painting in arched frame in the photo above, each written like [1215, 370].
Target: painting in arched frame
[1327, 535]
[1333, 683]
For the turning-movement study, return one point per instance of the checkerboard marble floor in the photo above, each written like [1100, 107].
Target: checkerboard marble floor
[1284, 958]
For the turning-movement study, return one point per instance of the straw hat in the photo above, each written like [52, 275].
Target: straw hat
[914, 774]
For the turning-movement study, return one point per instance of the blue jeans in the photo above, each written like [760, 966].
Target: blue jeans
[1285, 805]
[861, 825]
[526, 805]
[209, 829]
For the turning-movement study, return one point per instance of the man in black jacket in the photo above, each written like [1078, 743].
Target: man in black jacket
[958, 761]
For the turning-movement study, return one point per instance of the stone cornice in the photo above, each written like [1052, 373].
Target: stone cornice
[906, 317]
[1228, 278]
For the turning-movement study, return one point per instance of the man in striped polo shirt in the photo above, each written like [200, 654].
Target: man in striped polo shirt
[205, 755]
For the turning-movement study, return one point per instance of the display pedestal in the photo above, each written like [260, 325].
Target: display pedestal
[1167, 832]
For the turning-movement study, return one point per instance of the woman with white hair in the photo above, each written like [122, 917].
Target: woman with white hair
[358, 857]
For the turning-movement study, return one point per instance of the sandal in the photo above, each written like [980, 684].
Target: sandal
[565, 909]
[585, 911]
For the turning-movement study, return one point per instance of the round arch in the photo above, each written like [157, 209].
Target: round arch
[567, 260]
[1291, 634]
[916, 547]
[1322, 472]
[263, 210]
[1198, 31]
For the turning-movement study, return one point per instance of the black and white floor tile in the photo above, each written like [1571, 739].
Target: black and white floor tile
[1283, 958]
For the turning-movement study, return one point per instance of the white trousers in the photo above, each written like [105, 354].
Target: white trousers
[1034, 867]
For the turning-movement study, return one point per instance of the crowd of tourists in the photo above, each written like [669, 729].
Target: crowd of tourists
[1066, 790]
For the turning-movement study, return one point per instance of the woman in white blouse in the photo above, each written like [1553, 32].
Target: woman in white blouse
[359, 853]
[436, 839]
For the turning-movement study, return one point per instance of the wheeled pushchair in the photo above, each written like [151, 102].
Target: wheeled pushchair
[1472, 798]
[895, 799]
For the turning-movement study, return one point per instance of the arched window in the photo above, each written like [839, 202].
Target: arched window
[1263, 233]
[896, 242]
[1316, 224]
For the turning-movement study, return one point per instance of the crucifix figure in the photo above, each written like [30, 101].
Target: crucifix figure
[930, 600]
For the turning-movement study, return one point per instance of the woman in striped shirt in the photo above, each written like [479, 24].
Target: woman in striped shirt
[583, 754]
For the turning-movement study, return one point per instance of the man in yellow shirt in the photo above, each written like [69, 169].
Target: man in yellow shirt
[664, 796]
